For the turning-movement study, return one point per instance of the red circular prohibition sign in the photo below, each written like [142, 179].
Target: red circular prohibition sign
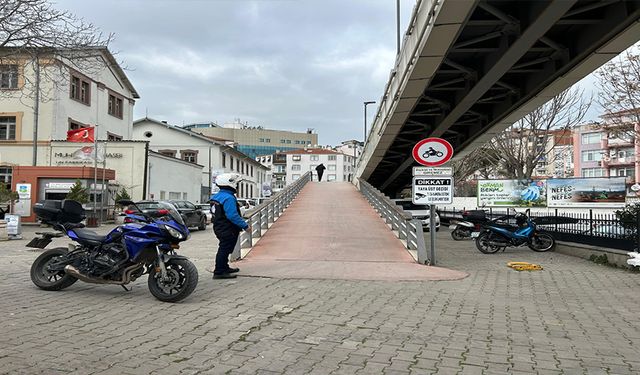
[436, 160]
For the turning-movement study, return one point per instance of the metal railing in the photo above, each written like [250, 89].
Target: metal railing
[588, 227]
[407, 229]
[261, 217]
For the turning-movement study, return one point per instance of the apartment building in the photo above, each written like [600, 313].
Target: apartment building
[255, 141]
[600, 151]
[339, 167]
[557, 154]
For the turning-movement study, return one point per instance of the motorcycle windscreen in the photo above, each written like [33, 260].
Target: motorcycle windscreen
[173, 212]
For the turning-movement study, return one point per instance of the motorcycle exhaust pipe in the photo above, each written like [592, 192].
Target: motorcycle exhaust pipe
[71, 270]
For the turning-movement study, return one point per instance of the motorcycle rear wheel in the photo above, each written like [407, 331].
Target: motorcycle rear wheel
[459, 235]
[183, 279]
[542, 242]
[46, 279]
[482, 244]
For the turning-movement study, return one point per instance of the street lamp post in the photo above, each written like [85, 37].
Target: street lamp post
[365, 118]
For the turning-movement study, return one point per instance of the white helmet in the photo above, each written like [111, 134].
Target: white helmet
[228, 179]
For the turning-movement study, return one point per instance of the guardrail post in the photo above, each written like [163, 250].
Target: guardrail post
[264, 218]
[237, 254]
[422, 247]
[591, 222]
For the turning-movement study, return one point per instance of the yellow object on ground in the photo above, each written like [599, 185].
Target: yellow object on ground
[524, 266]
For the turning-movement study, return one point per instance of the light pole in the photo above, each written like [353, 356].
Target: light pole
[365, 118]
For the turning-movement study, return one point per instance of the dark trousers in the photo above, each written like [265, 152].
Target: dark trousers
[320, 173]
[225, 248]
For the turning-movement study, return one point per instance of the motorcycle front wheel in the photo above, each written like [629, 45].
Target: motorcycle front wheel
[483, 243]
[46, 279]
[542, 242]
[459, 234]
[182, 279]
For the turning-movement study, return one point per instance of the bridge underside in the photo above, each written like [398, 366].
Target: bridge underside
[508, 58]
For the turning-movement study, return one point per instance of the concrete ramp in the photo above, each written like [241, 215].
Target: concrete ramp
[331, 232]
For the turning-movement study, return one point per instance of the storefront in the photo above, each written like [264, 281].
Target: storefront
[35, 184]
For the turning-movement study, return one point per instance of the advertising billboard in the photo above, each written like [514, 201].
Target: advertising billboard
[587, 192]
[512, 193]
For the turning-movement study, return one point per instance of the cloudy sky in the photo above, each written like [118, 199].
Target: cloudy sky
[282, 64]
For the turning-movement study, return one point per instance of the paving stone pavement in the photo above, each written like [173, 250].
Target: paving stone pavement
[574, 317]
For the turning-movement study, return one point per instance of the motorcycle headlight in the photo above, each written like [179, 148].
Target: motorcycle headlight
[174, 232]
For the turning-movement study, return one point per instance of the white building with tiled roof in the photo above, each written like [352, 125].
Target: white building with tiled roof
[339, 167]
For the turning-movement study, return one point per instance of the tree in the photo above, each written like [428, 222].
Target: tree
[78, 193]
[517, 151]
[6, 198]
[619, 92]
[122, 195]
[39, 43]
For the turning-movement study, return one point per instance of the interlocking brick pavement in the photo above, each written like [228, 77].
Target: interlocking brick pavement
[574, 317]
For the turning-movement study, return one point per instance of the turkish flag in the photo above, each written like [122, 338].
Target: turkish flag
[81, 135]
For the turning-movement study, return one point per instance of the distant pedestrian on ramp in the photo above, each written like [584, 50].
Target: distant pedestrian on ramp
[320, 169]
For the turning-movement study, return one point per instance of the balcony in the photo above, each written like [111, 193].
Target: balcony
[622, 161]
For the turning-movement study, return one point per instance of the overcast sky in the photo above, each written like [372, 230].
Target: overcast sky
[281, 64]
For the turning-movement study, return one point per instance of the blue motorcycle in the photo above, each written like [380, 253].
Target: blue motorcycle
[146, 246]
[496, 235]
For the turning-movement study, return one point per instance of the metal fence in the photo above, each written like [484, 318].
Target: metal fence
[589, 227]
[407, 229]
[261, 217]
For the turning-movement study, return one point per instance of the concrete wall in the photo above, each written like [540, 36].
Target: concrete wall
[614, 257]
[168, 175]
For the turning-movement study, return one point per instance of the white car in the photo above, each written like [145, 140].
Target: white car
[419, 212]
[206, 210]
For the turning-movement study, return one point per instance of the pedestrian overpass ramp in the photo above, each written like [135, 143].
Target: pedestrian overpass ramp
[469, 69]
[331, 232]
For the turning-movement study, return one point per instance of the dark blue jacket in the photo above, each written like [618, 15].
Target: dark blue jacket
[226, 214]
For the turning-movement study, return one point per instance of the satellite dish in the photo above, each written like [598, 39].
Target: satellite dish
[635, 187]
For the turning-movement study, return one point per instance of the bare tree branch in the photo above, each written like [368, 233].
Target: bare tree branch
[517, 151]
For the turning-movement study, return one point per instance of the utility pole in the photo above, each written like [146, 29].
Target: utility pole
[36, 112]
[397, 27]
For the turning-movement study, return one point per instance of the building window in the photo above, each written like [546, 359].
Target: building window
[113, 137]
[5, 176]
[296, 167]
[224, 160]
[591, 138]
[184, 196]
[231, 162]
[74, 125]
[592, 155]
[237, 165]
[332, 158]
[331, 167]
[114, 107]
[289, 141]
[80, 90]
[297, 142]
[7, 128]
[331, 177]
[267, 140]
[8, 76]
[261, 140]
[189, 155]
[170, 153]
[593, 172]
[174, 195]
[296, 157]
[315, 158]
[252, 171]
[295, 177]
[283, 141]
[162, 195]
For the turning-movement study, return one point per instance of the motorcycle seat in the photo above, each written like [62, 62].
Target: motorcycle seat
[88, 236]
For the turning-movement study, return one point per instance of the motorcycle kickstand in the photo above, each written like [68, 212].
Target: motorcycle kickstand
[125, 288]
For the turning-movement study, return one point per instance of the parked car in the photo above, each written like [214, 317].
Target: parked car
[206, 210]
[419, 212]
[192, 215]
[245, 205]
